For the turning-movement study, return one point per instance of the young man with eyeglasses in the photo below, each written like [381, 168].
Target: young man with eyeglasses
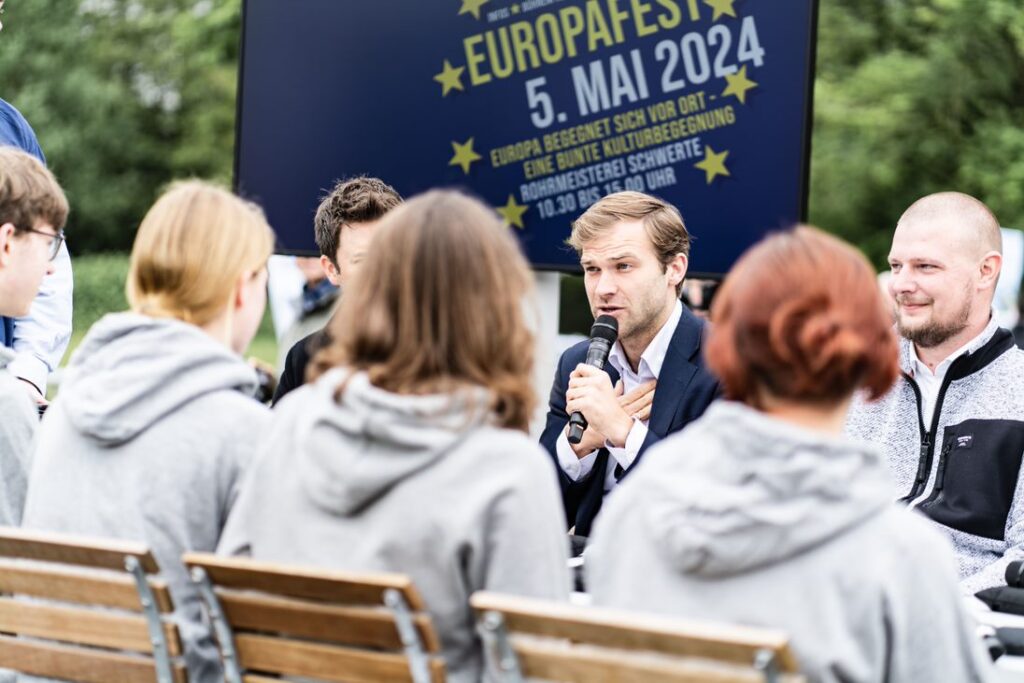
[33, 210]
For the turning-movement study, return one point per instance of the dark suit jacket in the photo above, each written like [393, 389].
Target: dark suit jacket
[685, 389]
[293, 375]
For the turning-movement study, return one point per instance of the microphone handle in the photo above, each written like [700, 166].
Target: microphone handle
[597, 354]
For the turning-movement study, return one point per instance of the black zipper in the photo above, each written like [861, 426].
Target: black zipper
[1001, 341]
[940, 474]
[925, 456]
[927, 453]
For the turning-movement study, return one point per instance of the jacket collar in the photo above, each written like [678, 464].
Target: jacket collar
[993, 342]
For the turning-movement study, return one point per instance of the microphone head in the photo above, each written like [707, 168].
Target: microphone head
[605, 327]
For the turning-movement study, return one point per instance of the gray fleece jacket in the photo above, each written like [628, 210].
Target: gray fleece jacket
[962, 469]
[422, 485]
[147, 441]
[18, 420]
[741, 518]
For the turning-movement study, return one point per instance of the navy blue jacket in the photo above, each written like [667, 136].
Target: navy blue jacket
[685, 389]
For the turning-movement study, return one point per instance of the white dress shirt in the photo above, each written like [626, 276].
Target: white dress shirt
[930, 382]
[41, 337]
[648, 369]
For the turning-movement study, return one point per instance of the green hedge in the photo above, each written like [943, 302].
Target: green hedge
[99, 287]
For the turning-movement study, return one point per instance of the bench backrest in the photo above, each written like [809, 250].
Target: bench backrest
[528, 639]
[85, 609]
[319, 624]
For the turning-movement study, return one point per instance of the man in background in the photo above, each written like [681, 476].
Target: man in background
[343, 227]
[953, 425]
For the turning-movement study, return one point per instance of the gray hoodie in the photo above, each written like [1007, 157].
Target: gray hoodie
[147, 441]
[422, 485]
[18, 420]
[743, 518]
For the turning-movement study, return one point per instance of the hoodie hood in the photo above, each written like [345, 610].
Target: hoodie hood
[354, 450]
[745, 490]
[130, 371]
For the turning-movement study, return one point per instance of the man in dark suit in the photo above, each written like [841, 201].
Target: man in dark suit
[634, 250]
[344, 222]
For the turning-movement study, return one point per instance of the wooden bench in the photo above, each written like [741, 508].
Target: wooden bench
[539, 639]
[276, 620]
[84, 609]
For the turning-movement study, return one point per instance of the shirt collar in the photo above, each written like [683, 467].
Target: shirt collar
[969, 347]
[653, 356]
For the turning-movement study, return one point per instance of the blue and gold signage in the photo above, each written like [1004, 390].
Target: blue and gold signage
[539, 107]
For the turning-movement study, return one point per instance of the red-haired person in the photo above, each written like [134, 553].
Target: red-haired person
[774, 518]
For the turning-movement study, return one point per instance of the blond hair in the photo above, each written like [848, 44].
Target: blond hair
[192, 246]
[662, 222]
[28, 192]
[438, 306]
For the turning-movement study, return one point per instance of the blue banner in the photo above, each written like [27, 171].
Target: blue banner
[539, 107]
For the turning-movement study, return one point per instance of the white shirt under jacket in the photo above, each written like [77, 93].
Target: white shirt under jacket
[930, 382]
[649, 368]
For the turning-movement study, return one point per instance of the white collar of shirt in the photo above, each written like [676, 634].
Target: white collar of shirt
[922, 370]
[653, 356]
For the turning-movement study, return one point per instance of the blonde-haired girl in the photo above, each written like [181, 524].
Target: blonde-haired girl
[155, 421]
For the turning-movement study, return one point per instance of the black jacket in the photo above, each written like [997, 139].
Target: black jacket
[293, 375]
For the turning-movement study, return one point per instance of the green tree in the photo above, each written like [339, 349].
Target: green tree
[912, 97]
[124, 95]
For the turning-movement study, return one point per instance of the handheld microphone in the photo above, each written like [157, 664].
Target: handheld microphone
[602, 336]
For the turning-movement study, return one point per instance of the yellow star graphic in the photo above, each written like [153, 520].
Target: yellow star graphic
[451, 78]
[720, 6]
[713, 164]
[464, 155]
[473, 7]
[739, 84]
[513, 212]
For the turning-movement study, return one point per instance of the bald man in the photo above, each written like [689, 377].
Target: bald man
[953, 426]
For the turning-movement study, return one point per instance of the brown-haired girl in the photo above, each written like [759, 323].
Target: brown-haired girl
[409, 453]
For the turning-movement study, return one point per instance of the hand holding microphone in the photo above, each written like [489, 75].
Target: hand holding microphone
[591, 399]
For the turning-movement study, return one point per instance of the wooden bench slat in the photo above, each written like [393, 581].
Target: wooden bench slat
[77, 585]
[73, 663]
[327, 662]
[633, 631]
[365, 626]
[86, 626]
[88, 552]
[302, 582]
[586, 664]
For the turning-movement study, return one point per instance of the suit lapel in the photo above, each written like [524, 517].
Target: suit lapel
[676, 373]
[613, 374]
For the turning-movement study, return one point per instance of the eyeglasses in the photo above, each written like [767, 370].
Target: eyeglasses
[56, 239]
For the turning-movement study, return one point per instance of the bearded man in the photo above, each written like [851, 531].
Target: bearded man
[953, 426]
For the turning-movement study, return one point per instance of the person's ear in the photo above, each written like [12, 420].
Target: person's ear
[7, 232]
[330, 270]
[989, 269]
[676, 269]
